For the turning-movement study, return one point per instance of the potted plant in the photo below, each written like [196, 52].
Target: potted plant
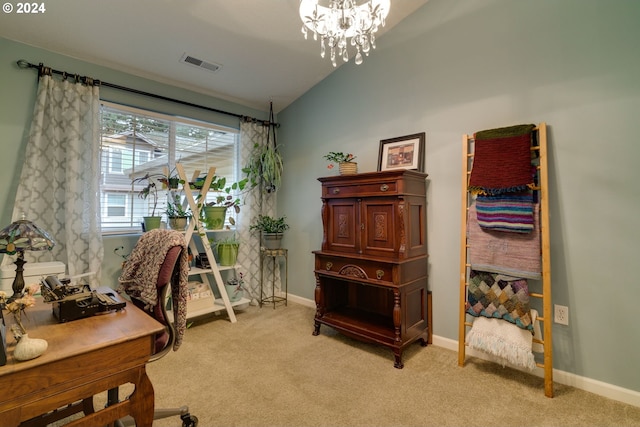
[264, 167]
[177, 215]
[150, 189]
[235, 287]
[214, 212]
[345, 161]
[265, 163]
[171, 180]
[271, 230]
[227, 250]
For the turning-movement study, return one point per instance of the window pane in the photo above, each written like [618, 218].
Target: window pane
[136, 143]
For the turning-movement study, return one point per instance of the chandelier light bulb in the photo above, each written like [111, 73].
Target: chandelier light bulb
[342, 23]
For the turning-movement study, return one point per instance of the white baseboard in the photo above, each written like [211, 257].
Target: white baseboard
[610, 391]
[302, 301]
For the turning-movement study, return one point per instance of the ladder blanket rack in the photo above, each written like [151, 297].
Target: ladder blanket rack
[493, 224]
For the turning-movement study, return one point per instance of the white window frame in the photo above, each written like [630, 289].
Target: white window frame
[222, 138]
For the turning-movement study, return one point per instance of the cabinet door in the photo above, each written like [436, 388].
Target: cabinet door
[343, 226]
[381, 235]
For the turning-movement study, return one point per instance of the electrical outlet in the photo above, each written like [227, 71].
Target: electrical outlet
[561, 314]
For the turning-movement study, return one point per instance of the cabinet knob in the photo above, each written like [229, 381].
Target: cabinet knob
[384, 187]
[379, 274]
[329, 265]
[336, 191]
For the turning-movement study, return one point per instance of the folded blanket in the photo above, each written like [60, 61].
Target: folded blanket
[506, 343]
[500, 297]
[502, 160]
[512, 212]
[513, 254]
[140, 274]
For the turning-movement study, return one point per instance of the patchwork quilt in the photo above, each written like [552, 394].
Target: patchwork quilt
[494, 295]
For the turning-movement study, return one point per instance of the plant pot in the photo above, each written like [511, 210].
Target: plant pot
[271, 240]
[233, 292]
[151, 222]
[214, 217]
[173, 183]
[228, 253]
[178, 223]
[348, 168]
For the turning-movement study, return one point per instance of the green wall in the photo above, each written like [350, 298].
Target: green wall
[456, 67]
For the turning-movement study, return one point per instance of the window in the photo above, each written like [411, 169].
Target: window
[116, 205]
[135, 142]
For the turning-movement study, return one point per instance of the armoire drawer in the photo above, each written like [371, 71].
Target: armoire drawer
[371, 271]
[355, 268]
[380, 188]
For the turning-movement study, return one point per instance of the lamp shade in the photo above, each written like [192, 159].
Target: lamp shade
[24, 235]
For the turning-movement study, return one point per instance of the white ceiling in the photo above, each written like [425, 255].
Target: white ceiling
[263, 53]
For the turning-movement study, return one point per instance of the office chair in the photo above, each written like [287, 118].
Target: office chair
[168, 276]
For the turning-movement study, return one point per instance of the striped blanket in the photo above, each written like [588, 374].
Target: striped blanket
[507, 212]
[513, 254]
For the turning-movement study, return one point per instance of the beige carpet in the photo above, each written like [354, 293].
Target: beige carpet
[269, 370]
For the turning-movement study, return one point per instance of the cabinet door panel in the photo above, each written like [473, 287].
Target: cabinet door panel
[381, 237]
[344, 228]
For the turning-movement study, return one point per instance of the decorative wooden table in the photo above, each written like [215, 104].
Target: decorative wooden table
[84, 357]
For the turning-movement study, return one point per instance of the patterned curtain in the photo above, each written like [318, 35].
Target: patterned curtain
[257, 202]
[59, 182]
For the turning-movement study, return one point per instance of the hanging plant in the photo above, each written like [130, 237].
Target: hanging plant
[265, 164]
[264, 168]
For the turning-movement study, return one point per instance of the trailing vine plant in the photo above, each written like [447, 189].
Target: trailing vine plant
[265, 163]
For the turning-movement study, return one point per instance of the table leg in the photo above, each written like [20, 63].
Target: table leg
[142, 401]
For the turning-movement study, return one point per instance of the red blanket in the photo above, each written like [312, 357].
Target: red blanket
[502, 160]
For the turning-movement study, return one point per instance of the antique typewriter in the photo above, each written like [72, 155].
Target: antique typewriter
[71, 302]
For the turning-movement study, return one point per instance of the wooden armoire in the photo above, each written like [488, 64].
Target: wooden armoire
[371, 273]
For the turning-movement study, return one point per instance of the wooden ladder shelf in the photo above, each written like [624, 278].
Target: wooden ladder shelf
[197, 230]
[465, 266]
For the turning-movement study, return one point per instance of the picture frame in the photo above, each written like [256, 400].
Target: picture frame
[403, 152]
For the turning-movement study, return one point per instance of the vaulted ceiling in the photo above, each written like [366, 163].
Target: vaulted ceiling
[258, 43]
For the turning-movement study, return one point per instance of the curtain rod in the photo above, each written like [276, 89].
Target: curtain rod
[42, 70]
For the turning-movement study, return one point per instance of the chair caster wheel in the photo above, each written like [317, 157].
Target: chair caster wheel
[189, 420]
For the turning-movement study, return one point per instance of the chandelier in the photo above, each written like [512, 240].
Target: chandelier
[344, 23]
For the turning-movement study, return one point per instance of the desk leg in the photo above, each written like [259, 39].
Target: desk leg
[142, 401]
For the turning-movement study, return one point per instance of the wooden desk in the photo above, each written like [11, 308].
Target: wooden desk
[84, 357]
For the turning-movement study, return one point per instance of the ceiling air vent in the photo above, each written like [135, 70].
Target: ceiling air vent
[192, 60]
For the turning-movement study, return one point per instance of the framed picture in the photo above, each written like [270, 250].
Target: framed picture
[403, 152]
